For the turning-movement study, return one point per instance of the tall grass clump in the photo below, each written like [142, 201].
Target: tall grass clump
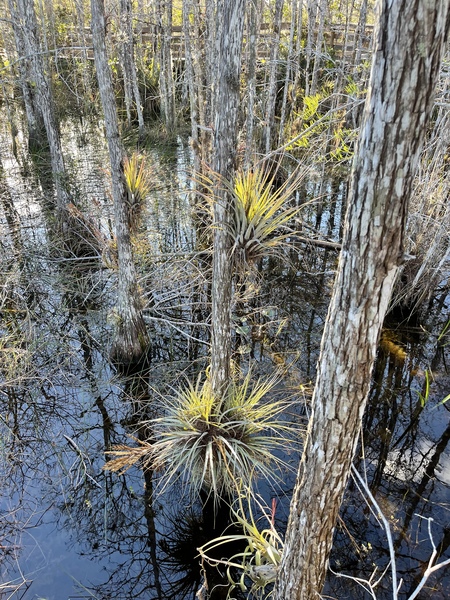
[212, 442]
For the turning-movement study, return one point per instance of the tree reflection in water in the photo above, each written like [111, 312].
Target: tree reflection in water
[62, 405]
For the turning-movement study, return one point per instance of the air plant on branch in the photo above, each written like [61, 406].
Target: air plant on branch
[211, 442]
[260, 211]
[137, 183]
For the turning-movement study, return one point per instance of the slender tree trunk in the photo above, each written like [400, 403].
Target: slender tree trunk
[167, 83]
[290, 69]
[273, 81]
[26, 12]
[36, 127]
[131, 338]
[126, 51]
[253, 20]
[411, 39]
[230, 20]
[322, 10]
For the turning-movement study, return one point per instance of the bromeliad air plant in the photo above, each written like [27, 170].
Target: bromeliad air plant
[261, 213]
[212, 442]
[137, 183]
[258, 563]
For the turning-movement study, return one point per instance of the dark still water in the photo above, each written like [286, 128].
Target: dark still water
[70, 529]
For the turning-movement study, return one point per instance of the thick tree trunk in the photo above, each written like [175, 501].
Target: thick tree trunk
[230, 18]
[131, 338]
[410, 43]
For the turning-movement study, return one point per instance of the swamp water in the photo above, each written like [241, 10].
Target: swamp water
[72, 530]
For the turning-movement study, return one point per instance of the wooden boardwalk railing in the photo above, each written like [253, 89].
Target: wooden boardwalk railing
[339, 41]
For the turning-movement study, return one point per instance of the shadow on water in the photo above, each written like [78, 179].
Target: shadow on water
[73, 530]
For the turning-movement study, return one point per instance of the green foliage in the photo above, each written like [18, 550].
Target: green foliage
[426, 394]
[259, 561]
[215, 441]
[444, 332]
[310, 107]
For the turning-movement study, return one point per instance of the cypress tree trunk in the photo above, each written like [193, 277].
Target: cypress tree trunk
[406, 65]
[253, 19]
[126, 50]
[25, 11]
[36, 127]
[131, 337]
[230, 19]
[273, 83]
[166, 80]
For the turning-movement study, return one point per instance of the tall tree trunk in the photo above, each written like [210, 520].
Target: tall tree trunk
[322, 10]
[291, 67]
[411, 39]
[26, 12]
[131, 337]
[273, 81]
[230, 20]
[253, 21]
[166, 80]
[35, 123]
[126, 50]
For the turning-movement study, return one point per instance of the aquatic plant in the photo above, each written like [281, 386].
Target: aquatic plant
[212, 442]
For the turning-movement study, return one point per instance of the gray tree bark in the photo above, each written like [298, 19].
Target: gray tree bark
[166, 80]
[36, 128]
[273, 83]
[230, 20]
[126, 51]
[131, 338]
[406, 65]
[30, 35]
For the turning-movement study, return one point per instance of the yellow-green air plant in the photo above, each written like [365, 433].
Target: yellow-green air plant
[257, 565]
[137, 182]
[261, 211]
[211, 443]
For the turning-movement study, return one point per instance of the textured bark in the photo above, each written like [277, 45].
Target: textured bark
[406, 65]
[36, 128]
[166, 80]
[291, 68]
[41, 84]
[273, 83]
[230, 18]
[322, 11]
[126, 50]
[131, 338]
[253, 18]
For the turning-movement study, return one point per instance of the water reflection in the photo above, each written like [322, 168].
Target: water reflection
[70, 528]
